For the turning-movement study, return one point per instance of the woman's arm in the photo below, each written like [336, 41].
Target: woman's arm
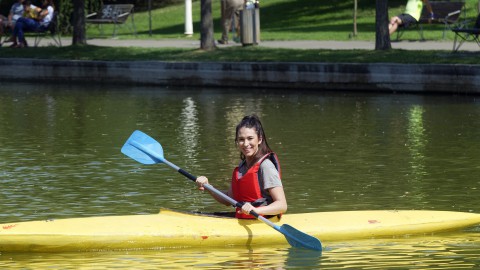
[278, 206]
[202, 180]
[429, 7]
[42, 13]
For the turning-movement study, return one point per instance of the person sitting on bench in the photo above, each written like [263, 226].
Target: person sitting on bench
[16, 11]
[412, 13]
[35, 20]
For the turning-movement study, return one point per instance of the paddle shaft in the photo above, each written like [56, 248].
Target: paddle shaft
[160, 158]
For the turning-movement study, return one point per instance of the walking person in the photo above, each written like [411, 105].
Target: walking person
[231, 9]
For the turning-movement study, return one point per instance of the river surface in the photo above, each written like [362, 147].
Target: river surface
[60, 158]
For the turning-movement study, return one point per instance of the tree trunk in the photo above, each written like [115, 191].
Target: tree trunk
[79, 35]
[382, 37]
[207, 41]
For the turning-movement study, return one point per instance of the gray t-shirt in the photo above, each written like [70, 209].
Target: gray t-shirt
[268, 176]
[17, 11]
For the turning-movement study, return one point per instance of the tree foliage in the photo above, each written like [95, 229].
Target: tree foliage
[66, 11]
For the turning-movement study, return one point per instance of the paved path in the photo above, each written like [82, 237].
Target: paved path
[297, 44]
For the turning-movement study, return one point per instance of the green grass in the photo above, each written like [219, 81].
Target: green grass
[241, 54]
[280, 20]
[285, 20]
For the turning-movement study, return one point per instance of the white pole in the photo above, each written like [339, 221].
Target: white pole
[150, 17]
[188, 18]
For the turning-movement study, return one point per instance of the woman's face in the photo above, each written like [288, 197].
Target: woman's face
[248, 142]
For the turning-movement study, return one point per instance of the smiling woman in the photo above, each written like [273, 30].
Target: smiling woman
[256, 182]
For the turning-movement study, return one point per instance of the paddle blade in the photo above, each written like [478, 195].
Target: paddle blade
[143, 148]
[300, 239]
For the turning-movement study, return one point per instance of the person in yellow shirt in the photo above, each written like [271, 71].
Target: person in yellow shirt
[412, 13]
[30, 11]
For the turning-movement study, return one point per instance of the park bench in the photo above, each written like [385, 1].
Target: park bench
[116, 14]
[465, 33]
[52, 32]
[447, 13]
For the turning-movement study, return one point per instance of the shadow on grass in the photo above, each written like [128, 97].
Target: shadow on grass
[301, 16]
[238, 54]
[305, 16]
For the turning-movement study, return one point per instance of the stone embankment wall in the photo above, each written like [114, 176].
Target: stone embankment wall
[315, 76]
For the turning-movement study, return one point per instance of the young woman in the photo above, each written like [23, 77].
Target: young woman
[256, 181]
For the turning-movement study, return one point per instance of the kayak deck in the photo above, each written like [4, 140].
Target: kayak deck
[170, 229]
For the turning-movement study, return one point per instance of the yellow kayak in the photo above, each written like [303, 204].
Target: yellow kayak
[170, 229]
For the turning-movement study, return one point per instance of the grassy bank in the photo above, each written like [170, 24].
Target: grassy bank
[242, 54]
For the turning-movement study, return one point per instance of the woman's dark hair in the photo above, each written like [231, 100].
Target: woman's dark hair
[252, 121]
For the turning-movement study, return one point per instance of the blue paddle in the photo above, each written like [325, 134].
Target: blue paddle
[146, 150]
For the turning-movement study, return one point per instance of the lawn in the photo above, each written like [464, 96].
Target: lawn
[285, 20]
[280, 20]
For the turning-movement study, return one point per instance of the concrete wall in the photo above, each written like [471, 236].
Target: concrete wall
[315, 76]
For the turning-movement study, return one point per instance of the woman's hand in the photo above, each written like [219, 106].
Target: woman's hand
[247, 208]
[201, 180]
[279, 205]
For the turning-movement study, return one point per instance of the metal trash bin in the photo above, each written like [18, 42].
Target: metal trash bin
[250, 26]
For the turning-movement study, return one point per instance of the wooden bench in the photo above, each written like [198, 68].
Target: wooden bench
[116, 14]
[447, 13]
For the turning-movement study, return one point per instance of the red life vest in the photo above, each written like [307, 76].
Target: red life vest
[247, 187]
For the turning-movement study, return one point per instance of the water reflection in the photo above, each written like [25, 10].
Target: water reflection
[416, 141]
[189, 129]
[449, 252]
[416, 145]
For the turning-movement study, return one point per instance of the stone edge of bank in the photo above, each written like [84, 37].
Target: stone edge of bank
[434, 78]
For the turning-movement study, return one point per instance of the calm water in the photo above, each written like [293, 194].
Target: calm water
[60, 157]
